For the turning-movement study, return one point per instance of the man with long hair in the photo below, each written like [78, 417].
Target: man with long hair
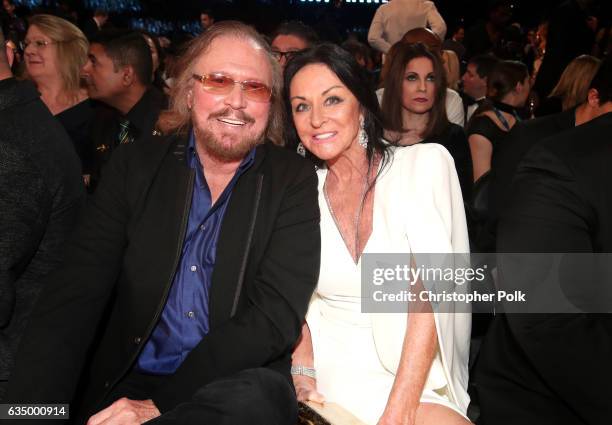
[201, 246]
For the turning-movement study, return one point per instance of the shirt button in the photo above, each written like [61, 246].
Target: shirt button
[191, 314]
[202, 227]
[106, 384]
[137, 340]
[194, 268]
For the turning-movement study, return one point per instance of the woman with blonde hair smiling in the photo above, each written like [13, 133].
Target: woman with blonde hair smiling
[55, 51]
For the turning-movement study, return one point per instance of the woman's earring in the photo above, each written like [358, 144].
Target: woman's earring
[362, 137]
[301, 150]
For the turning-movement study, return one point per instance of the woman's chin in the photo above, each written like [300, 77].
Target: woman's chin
[323, 152]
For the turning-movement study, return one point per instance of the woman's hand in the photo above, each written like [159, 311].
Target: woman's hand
[306, 389]
[399, 416]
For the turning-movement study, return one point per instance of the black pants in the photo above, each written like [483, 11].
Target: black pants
[254, 396]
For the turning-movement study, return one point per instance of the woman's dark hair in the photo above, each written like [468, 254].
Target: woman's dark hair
[355, 78]
[502, 80]
[504, 77]
[392, 104]
[158, 80]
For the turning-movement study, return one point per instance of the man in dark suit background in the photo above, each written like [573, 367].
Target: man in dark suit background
[204, 246]
[555, 368]
[474, 81]
[118, 74]
[40, 194]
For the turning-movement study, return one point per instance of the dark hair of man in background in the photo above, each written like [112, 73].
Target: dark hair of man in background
[602, 82]
[298, 29]
[125, 48]
[484, 64]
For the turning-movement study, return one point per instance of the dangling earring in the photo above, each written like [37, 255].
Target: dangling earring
[362, 137]
[301, 150]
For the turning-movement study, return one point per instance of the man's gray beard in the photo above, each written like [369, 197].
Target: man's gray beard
[233, 152]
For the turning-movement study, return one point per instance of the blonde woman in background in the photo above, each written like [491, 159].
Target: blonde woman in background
[451, 66]
[573, 86]
[54, 54]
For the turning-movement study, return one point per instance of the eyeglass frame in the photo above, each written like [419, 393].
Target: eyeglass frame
[279, 55]
[202, 79]
[38, 44]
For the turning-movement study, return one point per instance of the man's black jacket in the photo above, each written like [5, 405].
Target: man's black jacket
[554, 368]
[41, 191]
[128, 245]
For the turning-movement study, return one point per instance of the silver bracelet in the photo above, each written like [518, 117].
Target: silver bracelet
[305, 371]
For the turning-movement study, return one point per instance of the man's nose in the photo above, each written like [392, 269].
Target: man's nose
[86, 68]
[317, 118]
[235, 98]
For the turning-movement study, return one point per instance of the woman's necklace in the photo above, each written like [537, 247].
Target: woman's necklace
[357, 217]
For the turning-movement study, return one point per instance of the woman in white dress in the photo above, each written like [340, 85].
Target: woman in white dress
[384, 368]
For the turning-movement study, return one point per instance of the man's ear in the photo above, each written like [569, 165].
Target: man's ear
[519, 87]
[127, 75]
[593, 98]
[10, 55]
[190, 99]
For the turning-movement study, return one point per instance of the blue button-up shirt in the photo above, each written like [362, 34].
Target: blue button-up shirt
[184, 320]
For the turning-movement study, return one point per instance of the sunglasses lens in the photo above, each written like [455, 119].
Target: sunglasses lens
[218, 83]
[256, 91]
[222, 84]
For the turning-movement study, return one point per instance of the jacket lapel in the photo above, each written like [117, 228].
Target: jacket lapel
[234, 242]
[161, 227]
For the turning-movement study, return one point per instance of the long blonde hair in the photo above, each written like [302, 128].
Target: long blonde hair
[573, 86]
[72, 47]
[178, 116]
[450, 60]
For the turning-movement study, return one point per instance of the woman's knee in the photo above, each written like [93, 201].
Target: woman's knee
[438, 414]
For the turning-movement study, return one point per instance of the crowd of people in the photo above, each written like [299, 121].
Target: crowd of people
[185, 223]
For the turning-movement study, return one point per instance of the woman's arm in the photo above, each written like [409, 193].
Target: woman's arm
[303, 355]
[482, 150]
[418, 351]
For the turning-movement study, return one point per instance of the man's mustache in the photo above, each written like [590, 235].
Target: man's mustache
[227, 113]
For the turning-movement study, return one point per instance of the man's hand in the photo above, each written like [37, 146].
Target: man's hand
[126, 412]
